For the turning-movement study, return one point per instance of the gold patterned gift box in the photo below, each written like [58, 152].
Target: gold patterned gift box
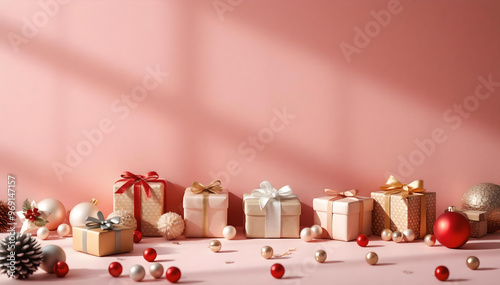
[271, 213]
[205, 210]
[478, 223]
[144, 196]
[403, 206]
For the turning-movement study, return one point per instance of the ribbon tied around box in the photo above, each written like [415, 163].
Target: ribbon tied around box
[103, 224]
[394, 186]
[337, 195]
[212, 188]
[270, 200]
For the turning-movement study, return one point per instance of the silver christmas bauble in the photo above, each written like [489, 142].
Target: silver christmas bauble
[484, 197]
[56, 211]
[80, 212]
[156, 270]
[51, 254]
[137, 272]
[397, 236]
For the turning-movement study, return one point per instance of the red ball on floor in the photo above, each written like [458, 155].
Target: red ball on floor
[362, 240]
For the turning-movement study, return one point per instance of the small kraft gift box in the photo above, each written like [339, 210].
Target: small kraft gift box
[144, 196]
[402, 206]
[478, 223]
[343, 215]
[271, 213]
[205, 210]
[102, 237]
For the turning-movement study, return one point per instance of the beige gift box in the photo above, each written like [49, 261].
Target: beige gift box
[404, 213]
[214, 217]
[100, 242]
[345, 222]
[255, 218]
[478, 223]
[151, 208]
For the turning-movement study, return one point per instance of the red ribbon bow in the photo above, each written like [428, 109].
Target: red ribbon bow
[138, 181]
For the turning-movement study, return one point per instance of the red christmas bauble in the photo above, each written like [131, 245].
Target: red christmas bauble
[442, 273]
[61, 269]
[452, 229]
[362, 240]
[115, 269]
[173, 274]
[137, 236]
[149, 254]
[277, 270]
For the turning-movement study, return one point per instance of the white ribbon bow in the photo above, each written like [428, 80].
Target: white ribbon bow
[267, 193]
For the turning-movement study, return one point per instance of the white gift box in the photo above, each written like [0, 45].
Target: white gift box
[345, 218]
[212, 219]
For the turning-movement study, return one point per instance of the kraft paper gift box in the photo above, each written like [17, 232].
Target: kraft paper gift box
[341, 217]
[103, 237]
[205, 210]
[144, 197]
[271, 213]
[403, 206]
[478, 223]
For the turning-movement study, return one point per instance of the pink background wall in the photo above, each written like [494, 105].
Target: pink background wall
[356, 119]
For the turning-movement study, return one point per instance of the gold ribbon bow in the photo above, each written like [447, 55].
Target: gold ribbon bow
[212, 188]
[394, 186]
[336, 195]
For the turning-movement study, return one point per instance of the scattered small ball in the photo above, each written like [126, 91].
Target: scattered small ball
[149, 254]
[371, 258]
[51, 254]
[408, 235]
[317, 231]
[397, 236]
[61, 269]
[229, 232]
[115, 269]
[386, 235]
[156, 270]
[472, 262]
[362, 240]
[215, 245]
[127, 219]
[63, 230]
[430, 240]
[171, 225]
[266, 252]
[42, 233]
[173, 274]
[137, 236]
[320, 255]
[442, 273]
[137, 272]
[277, 270]
[306, 234]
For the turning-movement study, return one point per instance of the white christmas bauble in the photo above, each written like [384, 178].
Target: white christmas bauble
[317, 231]
[42, 233]
[80, 212]
[137, 272]
[56, 211]
[156, 270]
[229, 232]
[306, 234]
[408, 235]
[63, 230]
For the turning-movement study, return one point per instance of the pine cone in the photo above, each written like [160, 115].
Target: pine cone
[26, 258]
[4, 216]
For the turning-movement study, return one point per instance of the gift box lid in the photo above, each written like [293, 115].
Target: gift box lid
[476, 215]
[345, 206]
[251, 206]
[195, 201]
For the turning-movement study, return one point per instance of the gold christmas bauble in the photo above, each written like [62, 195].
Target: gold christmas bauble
[215, 245]
[484, 197]
[472, 262]
[320, 255]
[266, 252]
[371, 258]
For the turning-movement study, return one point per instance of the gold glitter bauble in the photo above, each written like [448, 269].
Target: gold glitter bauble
[320, 255]
[215, 245]
[472, 262]
[484, 197]
[266, 252]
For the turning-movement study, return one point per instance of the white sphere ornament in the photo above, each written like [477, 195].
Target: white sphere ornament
[409, 235]
[42, 233]
[386, 235]
[156, 270]
[171, 225]
[306, 234]
[56, 211]
[63, 230]
[317, 231]
[137, 272]
[229, 232]
[51, 254]
[80, 212]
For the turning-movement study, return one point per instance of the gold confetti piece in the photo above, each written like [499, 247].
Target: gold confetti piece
[407, 272]
[176, 242]
[292, 249]
[229, 262]
[281, 255]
